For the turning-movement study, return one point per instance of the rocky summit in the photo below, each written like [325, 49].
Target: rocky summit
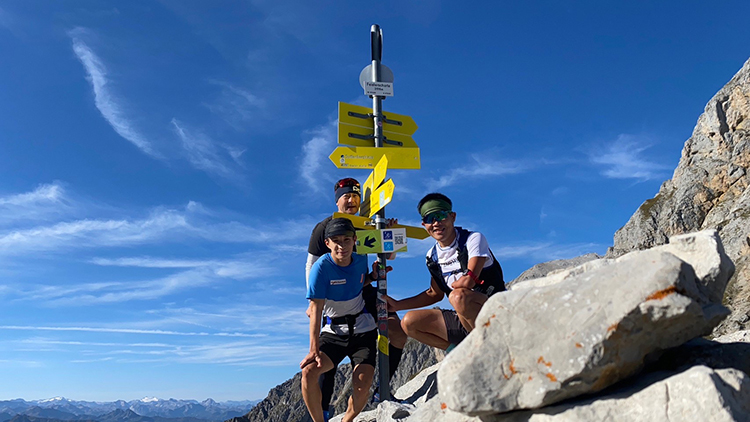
[656, 330]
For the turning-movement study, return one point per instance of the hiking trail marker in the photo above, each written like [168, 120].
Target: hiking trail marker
[381, 241]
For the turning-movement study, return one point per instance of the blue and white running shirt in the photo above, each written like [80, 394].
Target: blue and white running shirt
[341, 287]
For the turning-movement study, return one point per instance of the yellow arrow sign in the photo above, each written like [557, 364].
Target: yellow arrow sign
[362, 116]
[412, 232]
[380, 197]
[366, 157]
[359, 136]
[381, 241]
[373, 182]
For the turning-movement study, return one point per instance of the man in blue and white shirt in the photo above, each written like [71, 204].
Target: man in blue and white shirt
[335, 294]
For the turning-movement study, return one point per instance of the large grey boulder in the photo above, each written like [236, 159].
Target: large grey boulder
[536, 346]
[698, 394]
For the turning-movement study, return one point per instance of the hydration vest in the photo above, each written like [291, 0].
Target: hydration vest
[491, 278]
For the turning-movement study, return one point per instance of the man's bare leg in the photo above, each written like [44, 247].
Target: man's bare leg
[467, 304]
[361, 382]
[311, 389]
[427, 326]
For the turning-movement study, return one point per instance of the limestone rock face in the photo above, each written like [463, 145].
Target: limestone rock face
[533, 347]
[709, 189]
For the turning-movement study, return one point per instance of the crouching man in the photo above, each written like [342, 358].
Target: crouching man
[336, 304]
[461, 266]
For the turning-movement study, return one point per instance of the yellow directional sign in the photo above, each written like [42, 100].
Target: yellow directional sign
[373, 182]
[366, 157]
[362, 116]
[359, 136]
[412, 232]
[381, 241]
[380, 197]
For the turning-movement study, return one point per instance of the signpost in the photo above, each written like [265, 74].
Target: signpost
[377, 140]
[345, 157]
[380, 197]
[362, 116]
[359, 136]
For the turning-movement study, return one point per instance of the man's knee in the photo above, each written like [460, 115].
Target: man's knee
[311, 372]
[459, 298]
[409, 322]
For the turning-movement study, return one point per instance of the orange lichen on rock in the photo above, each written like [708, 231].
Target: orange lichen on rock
[579, 345]
[443, 406]
[552, 377]
[542, 361]
[612, 327]
[661, 294]
[530, 378]
[487, 324]
[513, 368]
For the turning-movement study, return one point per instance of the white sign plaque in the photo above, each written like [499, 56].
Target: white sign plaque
[381, 89]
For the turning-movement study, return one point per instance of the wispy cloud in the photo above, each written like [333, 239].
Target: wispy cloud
[235, 105]
[5, 20]
[108, 104]
[162, 225]
[45, 201]
[204, 154]
[546, 251]
[482, 166]
[315, 153]
[623, 159]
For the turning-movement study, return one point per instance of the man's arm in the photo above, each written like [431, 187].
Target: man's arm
[308, 265]
[426, 298]
[474, 265]
[316, 313]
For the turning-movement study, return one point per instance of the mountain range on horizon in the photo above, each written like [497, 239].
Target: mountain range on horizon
[147, 409]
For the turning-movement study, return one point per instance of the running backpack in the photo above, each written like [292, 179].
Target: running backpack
[491, 278]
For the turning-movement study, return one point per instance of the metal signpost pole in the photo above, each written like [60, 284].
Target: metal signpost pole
[376, 43]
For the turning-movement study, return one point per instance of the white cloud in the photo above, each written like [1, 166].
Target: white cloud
[163, 225]
[623, 159]
[45, 201]
[105, 100]
[204, 154]
[237, 106]
[546, 251]
[315, 153]
[481, 167]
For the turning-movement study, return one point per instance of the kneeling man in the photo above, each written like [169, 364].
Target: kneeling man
[462, 266]
[336, 304]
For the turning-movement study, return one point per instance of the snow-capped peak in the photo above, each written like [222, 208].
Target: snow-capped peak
[149, 400]
[53, 399]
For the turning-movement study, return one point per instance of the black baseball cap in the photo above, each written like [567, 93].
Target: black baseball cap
[339, 226]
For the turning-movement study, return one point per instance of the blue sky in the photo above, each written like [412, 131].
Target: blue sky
[162, 163]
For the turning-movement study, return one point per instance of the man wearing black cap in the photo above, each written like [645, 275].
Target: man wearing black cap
[462, 266]
[348, 196]
[335, 293]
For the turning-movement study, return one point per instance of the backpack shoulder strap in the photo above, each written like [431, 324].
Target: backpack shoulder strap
[463, 253]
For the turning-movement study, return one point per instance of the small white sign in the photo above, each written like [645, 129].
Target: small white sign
[381, 89]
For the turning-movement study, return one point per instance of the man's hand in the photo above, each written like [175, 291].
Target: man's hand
[312, 357]
[308, 311]
[392, 304]
[464, 282]
[374, 273]
[390, 222]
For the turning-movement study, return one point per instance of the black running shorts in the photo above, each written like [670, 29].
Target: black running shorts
[456, 331]
[361, 348]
